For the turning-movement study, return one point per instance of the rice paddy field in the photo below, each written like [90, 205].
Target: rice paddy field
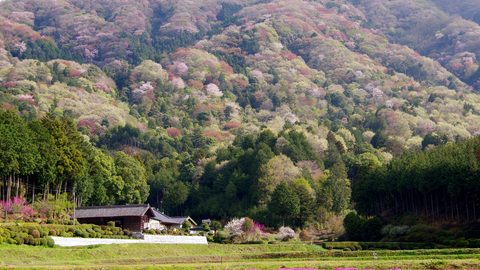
[218, 256]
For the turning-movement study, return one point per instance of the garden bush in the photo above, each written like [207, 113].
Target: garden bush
[39, 234]
[350, 246]
[221, 237]
[354, 246]
[35, 233]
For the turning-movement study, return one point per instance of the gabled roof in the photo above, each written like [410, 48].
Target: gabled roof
[180, 220]
[112, 211]
[163, 218]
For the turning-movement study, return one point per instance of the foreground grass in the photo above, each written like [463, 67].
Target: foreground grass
[214, 256]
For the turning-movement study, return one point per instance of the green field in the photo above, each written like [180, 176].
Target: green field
[216, 256]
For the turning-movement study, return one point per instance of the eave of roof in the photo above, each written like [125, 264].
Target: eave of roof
[112, 211]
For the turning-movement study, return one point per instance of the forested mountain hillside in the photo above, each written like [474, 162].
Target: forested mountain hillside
[231, 106]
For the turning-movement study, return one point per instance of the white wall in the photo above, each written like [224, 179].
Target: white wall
[149, 239]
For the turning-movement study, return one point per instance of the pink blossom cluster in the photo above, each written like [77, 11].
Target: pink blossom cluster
[17, 206]
[297, 269]
[258, 227]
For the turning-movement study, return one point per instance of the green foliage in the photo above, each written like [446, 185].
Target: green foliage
[44, 50]
[298, 148]
[216, 225]
[39, 235]
[285, 203]
[360, 229]
[354, 226]
[419, 180]
[356, 246]
[133, 173]
[315, 107]
[51, 154]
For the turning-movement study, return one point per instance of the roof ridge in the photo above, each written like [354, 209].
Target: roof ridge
[115, 206]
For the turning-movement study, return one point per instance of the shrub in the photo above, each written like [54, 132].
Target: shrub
[353, 226]
[305, 236]
[210, 238]
[371, 229]
[393, 232]
[35, 233]
[350, 246]
[221, 237]
[285, 233]
[358, 228]
[43, 241]
[206, 227]
[247, 224]
[50, 242]
[235, 227]
[216, 225]
[19, 240]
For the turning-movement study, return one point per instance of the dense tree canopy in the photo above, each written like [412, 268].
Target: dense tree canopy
[231, 108]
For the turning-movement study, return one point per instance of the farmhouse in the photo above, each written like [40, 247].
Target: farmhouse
[135, 218]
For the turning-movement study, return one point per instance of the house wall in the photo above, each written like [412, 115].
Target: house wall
[134, 224]
[154, 224]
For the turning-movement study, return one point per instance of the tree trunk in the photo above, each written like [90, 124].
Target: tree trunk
[425, 208]
[437, 204]
[17, 186]
[26, 188]
[33, 192]
[9, 188]
[58, 188]
[451, 207]
[466, 207]
[45, 193]
[456, 208]
[475, 209]
[2, 189]
[431, 205]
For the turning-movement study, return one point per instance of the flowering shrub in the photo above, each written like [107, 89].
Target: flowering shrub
[213, 90]
[173, 132]
[258, 227]
[245, 230]
[297, 268]
[235, 227]
[285, 233]
[17, 207]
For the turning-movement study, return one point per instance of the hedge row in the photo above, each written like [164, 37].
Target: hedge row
[40, 234]
[353, 246]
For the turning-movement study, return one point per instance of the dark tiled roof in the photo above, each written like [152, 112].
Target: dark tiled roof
[163, 218]
[112, 211]
[180, 220]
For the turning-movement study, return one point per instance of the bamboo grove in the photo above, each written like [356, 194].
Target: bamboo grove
[441, 184]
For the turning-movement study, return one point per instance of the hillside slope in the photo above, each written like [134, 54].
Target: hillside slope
[205, 86]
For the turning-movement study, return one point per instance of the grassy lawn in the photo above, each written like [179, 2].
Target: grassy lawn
[215, 256]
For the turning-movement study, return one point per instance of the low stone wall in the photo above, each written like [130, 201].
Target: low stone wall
[149, 239]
